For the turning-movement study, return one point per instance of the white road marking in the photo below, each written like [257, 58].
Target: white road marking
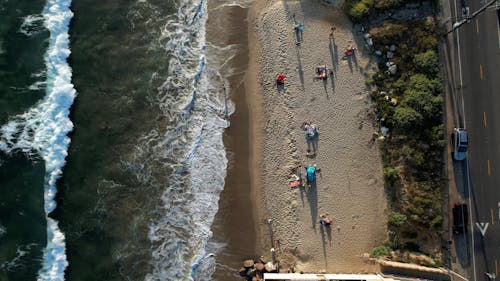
[458, 48]
[496, 267]
[459, 60]
[483, 226]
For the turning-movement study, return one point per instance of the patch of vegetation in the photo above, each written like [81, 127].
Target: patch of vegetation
[415, 142]
[380, 251]
[360, 10]
[396, 219]
[391, 175]
[427, 62]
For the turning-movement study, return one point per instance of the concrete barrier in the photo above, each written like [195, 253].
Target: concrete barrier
[414, 271]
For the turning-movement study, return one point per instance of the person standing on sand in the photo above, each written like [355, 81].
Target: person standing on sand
[332, 29]
[280, 79]
[301, 31]
[324, 220]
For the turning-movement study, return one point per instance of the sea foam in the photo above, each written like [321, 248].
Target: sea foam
[43, 129]
[194, 97]
[32, 24]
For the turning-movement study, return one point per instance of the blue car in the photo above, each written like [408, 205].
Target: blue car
[460, 143]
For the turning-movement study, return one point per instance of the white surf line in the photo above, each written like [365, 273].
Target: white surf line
[43, 130]
[51, 138]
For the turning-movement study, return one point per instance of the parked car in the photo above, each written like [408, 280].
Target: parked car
[460, 218]
[460, 143]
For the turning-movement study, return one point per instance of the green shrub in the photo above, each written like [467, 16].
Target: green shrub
[381, 251]
[424, 102]
[437, 221]
[437, 135]
[388, 33]
[427, 62]
[384, 148]
[416, 210]
[387, 4]
[396, 219]
[412, 156]
[427, 43]
[391, 175]
[368, 3]
[407, 118]
[420, 82]
[358, 11]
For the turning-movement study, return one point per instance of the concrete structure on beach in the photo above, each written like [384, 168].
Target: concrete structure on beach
[324, 277]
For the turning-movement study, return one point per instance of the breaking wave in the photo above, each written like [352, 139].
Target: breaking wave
[43, 130]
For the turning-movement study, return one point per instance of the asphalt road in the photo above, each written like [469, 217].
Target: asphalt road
[478, 104]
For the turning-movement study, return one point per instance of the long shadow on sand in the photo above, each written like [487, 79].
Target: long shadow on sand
[312, 144]
[325, 231]
[299, 67]
[280, 87]
[329, 234]
[332, 82]
[354, 59]
[349, 61]
[325, 86]
[334, 54]
[312, 198]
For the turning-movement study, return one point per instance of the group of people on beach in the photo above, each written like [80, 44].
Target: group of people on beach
[310, 129]
[322, 71]
[296, 181]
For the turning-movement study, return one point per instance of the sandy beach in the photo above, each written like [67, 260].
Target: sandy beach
[350, 186]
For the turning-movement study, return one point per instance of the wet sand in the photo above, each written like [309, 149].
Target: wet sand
[234, 226]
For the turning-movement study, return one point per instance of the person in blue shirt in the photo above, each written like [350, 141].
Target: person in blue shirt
[311, 173]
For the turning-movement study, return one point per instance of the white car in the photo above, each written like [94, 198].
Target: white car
[460, 142]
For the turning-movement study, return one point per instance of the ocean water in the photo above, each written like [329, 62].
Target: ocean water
[111, 145]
